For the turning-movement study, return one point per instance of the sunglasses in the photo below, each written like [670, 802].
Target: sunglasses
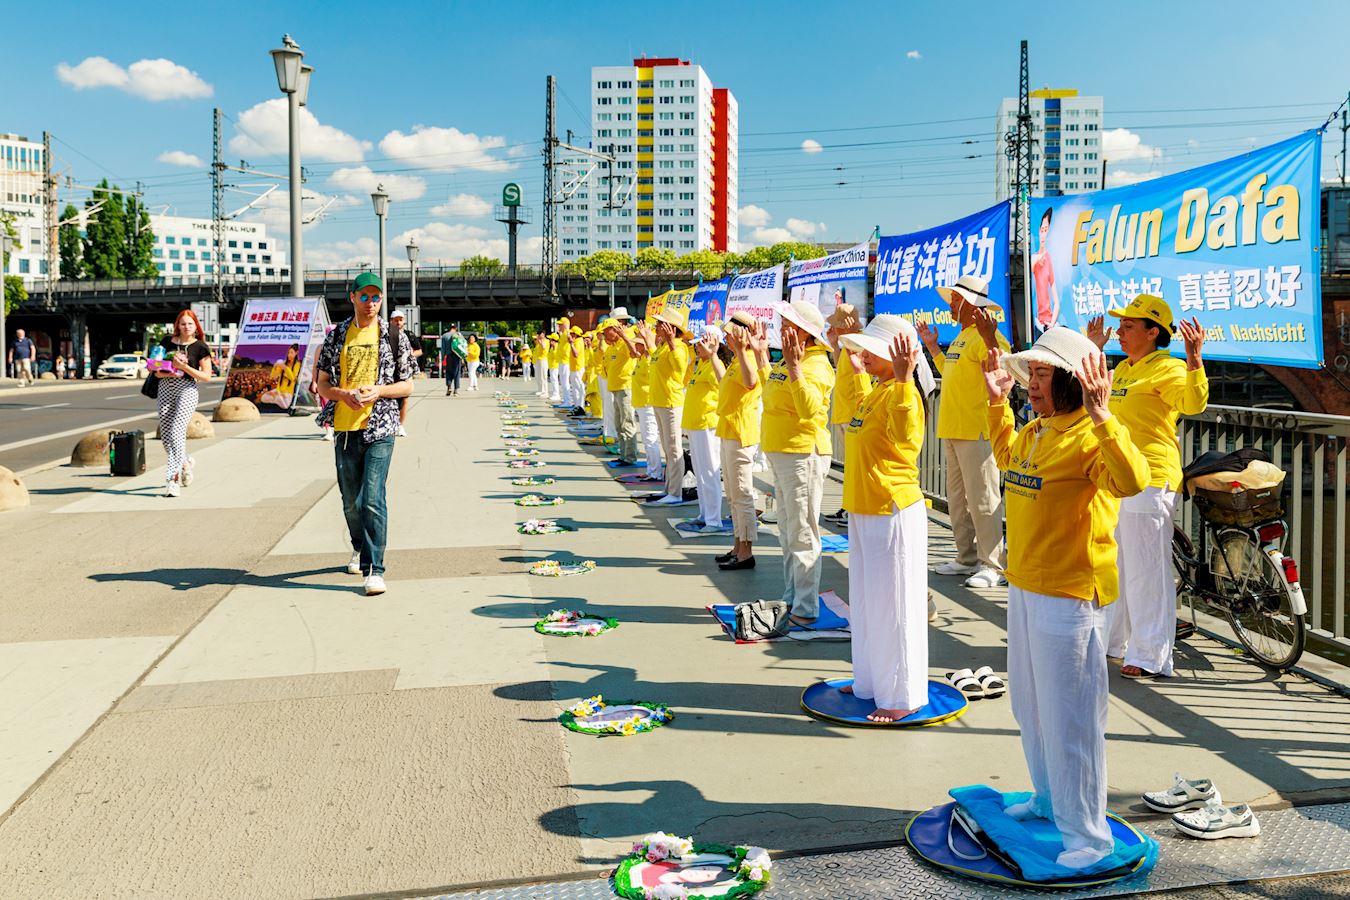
[369, 298]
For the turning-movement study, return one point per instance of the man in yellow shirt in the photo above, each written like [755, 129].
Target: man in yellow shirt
[619, 364]
[364, 372]
[554, 368]
[974, 503]
[600, 362]
[669, 368]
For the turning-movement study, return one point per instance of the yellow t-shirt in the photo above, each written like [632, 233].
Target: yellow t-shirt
[796, 413]
[554, 353]
[961, 409]
[358, 366]
[285, 376]
[526, 355]
[850, 388]
[738, 407]
[670, 365]
[619, 364]
[1148, 397]
[700, 398]
[474, 352]
[579, 354]
[642, 382]
[881, 451]
[1062, 477]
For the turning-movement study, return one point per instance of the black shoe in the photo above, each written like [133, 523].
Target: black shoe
[836, 518]
[725, 557]
[733, 564]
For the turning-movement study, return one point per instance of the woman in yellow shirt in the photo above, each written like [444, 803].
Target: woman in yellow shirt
[526, 357]
[1062, 474]
[851, 385]
[670, 367]
[1149, 390]
[699, 420]
[738, 399]
[887, 526]
[472, 356]
[642, 402]
[796, 440]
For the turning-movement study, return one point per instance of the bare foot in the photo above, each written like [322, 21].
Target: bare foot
[845, 688]
[889, 715]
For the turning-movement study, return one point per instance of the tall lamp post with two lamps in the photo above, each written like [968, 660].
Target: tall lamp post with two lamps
[293, 78]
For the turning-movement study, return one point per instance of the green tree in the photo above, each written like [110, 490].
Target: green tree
[711, 263]
[654, 258]
[482, 266]
[602, 265]
[105, 234]
[764, 257]
[15, 292]
[138, 257]
[71, 245]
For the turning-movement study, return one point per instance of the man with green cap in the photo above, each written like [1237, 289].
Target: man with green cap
[364, 367]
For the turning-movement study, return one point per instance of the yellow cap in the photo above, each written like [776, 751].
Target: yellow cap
[576, 329]
[606, 323]
[1147, 306]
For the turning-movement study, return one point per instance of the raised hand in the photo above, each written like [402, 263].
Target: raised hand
[1095, 380]
[1194, 337]
[1097, 332]
[737, 339]
[904, 357]
[998, 383]
[759, 339]
[986, 326]
[792, 348]
[929, 337]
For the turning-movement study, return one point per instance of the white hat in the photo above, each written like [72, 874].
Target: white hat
[974, 291]
[806, 316]
[620, 312]
[1058, 346]
[398, 314]
[877, 338]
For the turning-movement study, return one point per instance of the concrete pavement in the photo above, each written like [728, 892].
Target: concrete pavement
[195, 699]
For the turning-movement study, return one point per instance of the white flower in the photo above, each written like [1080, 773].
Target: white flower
[667, 892]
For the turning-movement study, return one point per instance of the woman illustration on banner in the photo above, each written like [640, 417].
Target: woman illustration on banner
[703, 875]
[285, 373]
[1047, 293]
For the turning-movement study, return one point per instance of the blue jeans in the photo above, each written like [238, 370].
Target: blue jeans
[362, 470]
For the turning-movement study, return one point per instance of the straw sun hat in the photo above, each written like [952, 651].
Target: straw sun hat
[1058, 346]
[877, 338]
[805, 316]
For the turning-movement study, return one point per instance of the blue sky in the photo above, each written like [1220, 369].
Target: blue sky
[398, 88]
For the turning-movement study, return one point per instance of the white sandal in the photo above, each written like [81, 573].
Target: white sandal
[992, 684]
[1182, 795]
[965, 681]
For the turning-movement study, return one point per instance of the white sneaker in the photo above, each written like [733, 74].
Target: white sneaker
[1218, 821]
[402, 432]
[665, 501]
[185, 476]
[932, 608]
[327, 434]
[1182, 795]
[172, 489]
[955, 568]
[985, 578]
[354, 564]
[374, 585]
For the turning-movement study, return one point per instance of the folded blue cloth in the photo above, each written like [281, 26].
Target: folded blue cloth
[1033, 844]
[834, 543]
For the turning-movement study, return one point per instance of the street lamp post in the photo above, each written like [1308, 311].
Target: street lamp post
[293, 79]
[381, 201]
[412, 291]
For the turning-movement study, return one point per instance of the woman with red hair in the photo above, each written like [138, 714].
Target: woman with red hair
[178, 396]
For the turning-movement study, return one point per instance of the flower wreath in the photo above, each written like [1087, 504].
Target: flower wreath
[751, 865]
[526, 464]
[513, 420]
[542, 526]
[597, 625]
[532, 481]
[555, 569]
[528, 452]
[517, 434]
[660, 715]
[519, 442]
[539, 500]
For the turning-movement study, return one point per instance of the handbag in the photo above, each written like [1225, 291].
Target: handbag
[761, 619]
[150, 386]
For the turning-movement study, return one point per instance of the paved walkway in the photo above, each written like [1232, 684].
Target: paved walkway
[194, 699]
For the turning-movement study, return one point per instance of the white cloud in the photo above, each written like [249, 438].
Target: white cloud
[1117, 177]
[753, 216]
[914, 54]
[182, 158]
[761, 236]
[343, 254]
[468, 206]
[810, 146]
[444, 149]
[150, 79]
[446, 243]
[803, 228]
[362, 180]
[263, 132]
[1122, 145]
[275, 210]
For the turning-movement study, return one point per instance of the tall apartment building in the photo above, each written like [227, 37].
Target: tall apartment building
[183, 252]
[1066, 154]
[21, 166]
[675, 138]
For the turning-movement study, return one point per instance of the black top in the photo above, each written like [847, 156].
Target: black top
[195, 351]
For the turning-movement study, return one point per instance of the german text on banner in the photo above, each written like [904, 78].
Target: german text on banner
[707, 306]
[1233, 244]
[911, 267]
[274, 353]
[831, 280]
[759, 294]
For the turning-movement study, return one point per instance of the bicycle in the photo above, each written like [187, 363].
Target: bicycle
[1241, 570]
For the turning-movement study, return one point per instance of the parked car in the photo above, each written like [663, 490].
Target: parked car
[123, 365]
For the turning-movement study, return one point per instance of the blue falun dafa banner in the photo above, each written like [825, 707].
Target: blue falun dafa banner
[708, 305]
[1233, 244]
[911, 267]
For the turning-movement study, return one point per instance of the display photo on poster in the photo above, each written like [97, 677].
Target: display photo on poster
[274, 353]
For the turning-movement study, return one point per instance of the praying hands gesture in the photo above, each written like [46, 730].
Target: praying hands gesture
[792, 354]
[998, 381]
[1194, 337]
[904, 357]
[648, 336]
[1095, 380]
[1098, 333]
[706, 346]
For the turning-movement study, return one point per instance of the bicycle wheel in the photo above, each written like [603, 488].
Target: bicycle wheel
[1258, 602]
[1183, 552]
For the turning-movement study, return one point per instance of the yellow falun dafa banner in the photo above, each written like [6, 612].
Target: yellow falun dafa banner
[679, 301]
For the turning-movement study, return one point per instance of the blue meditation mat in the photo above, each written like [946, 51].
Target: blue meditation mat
[689, 525]
[620, 464]
[828, 620]
[935, 839]
[834, 543]
[825, 701]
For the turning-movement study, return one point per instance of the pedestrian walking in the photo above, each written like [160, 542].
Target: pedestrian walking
[472, 355]
[60, 368]
[22, 357]
[364, 368]
[398, 320]
[453, 349]
[973, 498]
[178, 397]
[1064, 472]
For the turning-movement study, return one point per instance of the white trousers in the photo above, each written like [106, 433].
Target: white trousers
[1058, 684]
[705, 452]
[610, 431]
[473, 375]
[541, 377]
[799, 484]
[1141, 625]
[578, 387]
[565, 384]
[525, 371]
[553, 386]
[651, 441]
[888, 606]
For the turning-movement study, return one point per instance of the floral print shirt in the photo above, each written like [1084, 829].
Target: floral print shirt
[384, 414]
